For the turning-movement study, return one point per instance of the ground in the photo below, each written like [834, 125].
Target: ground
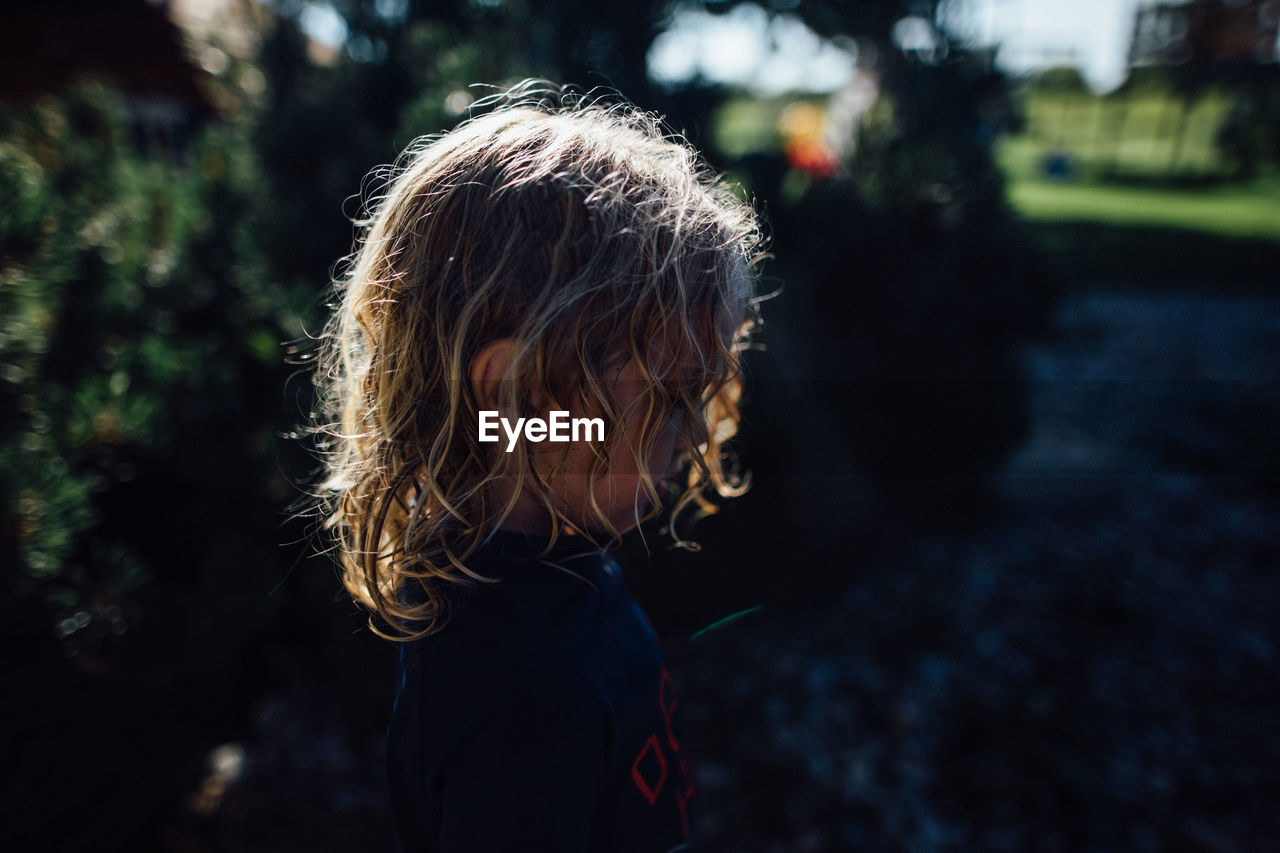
[1089, 671]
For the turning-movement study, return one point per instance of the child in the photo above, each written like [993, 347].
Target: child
[564, 263]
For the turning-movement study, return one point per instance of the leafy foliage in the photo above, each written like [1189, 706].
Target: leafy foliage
[142, 369]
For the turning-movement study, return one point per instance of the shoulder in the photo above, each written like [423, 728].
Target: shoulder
[522, 700]
[525, 640]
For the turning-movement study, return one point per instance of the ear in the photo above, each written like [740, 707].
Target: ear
[488, 369]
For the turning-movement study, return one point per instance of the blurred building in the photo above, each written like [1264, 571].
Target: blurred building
[1207, 32]
[131, 45]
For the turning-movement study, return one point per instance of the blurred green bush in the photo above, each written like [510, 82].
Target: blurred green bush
[142, 373]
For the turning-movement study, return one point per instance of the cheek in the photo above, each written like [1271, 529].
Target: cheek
[665, 449]
[625, 476]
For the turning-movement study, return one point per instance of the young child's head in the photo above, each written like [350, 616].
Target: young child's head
[550, 255]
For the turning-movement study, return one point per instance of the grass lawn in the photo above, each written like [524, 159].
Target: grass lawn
[1127, 170]
[1232, 210]
[1133, 213]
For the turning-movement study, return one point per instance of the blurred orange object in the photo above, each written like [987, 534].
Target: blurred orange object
[803, 126]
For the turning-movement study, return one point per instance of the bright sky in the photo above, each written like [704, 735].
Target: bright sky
[743, 47]
[1090, 34]
[322, 22]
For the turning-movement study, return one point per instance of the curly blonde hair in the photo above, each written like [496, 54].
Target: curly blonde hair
[578, 229]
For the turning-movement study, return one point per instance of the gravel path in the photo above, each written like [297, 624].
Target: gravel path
[1093, 671]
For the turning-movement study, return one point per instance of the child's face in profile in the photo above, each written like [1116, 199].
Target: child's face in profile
[618, 491]
[620, 494]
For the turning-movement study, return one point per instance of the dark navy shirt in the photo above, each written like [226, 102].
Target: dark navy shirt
[542, 718]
